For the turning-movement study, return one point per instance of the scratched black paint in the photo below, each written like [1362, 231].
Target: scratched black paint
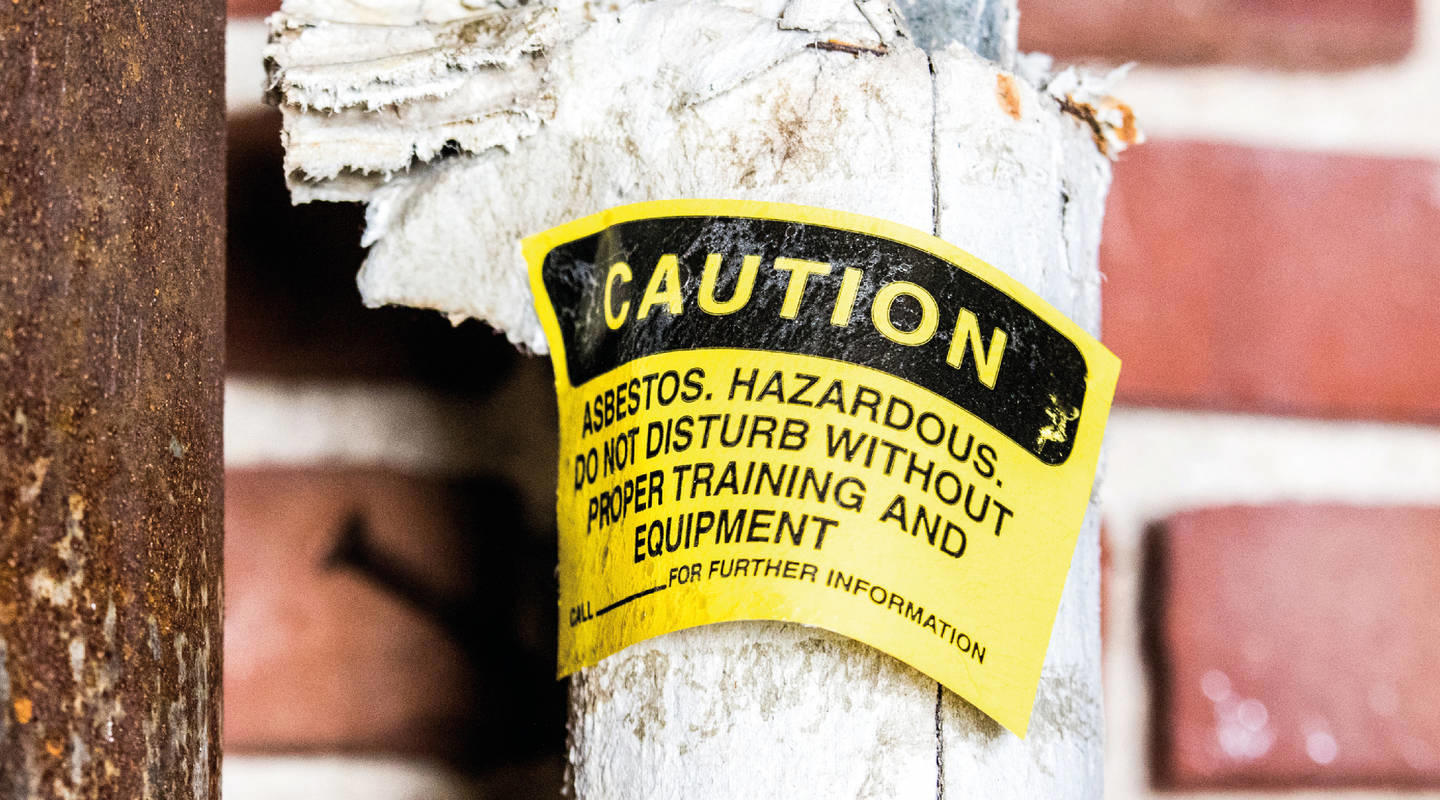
[1043, 374]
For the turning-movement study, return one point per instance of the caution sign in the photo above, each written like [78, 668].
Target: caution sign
[786, 413]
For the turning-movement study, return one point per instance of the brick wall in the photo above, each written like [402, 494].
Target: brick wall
[1272, 496]
[389, 520]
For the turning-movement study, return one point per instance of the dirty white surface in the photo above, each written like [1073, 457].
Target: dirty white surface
[561, 112]
[465, 130]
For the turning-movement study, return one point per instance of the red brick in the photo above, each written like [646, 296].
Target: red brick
[1288, 34]
[451, 655]
[1297, 646]
[1275, 281]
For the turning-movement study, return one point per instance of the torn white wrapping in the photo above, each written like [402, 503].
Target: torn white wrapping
[512, 120]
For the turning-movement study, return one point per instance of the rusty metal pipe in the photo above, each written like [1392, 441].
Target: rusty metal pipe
[111, 347]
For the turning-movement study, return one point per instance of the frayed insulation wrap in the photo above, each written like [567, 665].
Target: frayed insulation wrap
[466, 131]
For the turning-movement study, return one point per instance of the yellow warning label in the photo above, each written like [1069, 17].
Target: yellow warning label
[779, 412]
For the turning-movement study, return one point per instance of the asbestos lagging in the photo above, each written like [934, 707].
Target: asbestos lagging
[512, 120]
[466, 126]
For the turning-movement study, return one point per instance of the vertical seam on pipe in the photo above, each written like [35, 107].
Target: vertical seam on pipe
[935, 228]
[934, 148]
[939, 743]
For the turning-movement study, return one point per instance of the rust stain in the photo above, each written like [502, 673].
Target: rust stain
[1128, 132]
[837, 46]
[1008, 95]
[1095, 118]
[1086, 114]
[106, 288]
